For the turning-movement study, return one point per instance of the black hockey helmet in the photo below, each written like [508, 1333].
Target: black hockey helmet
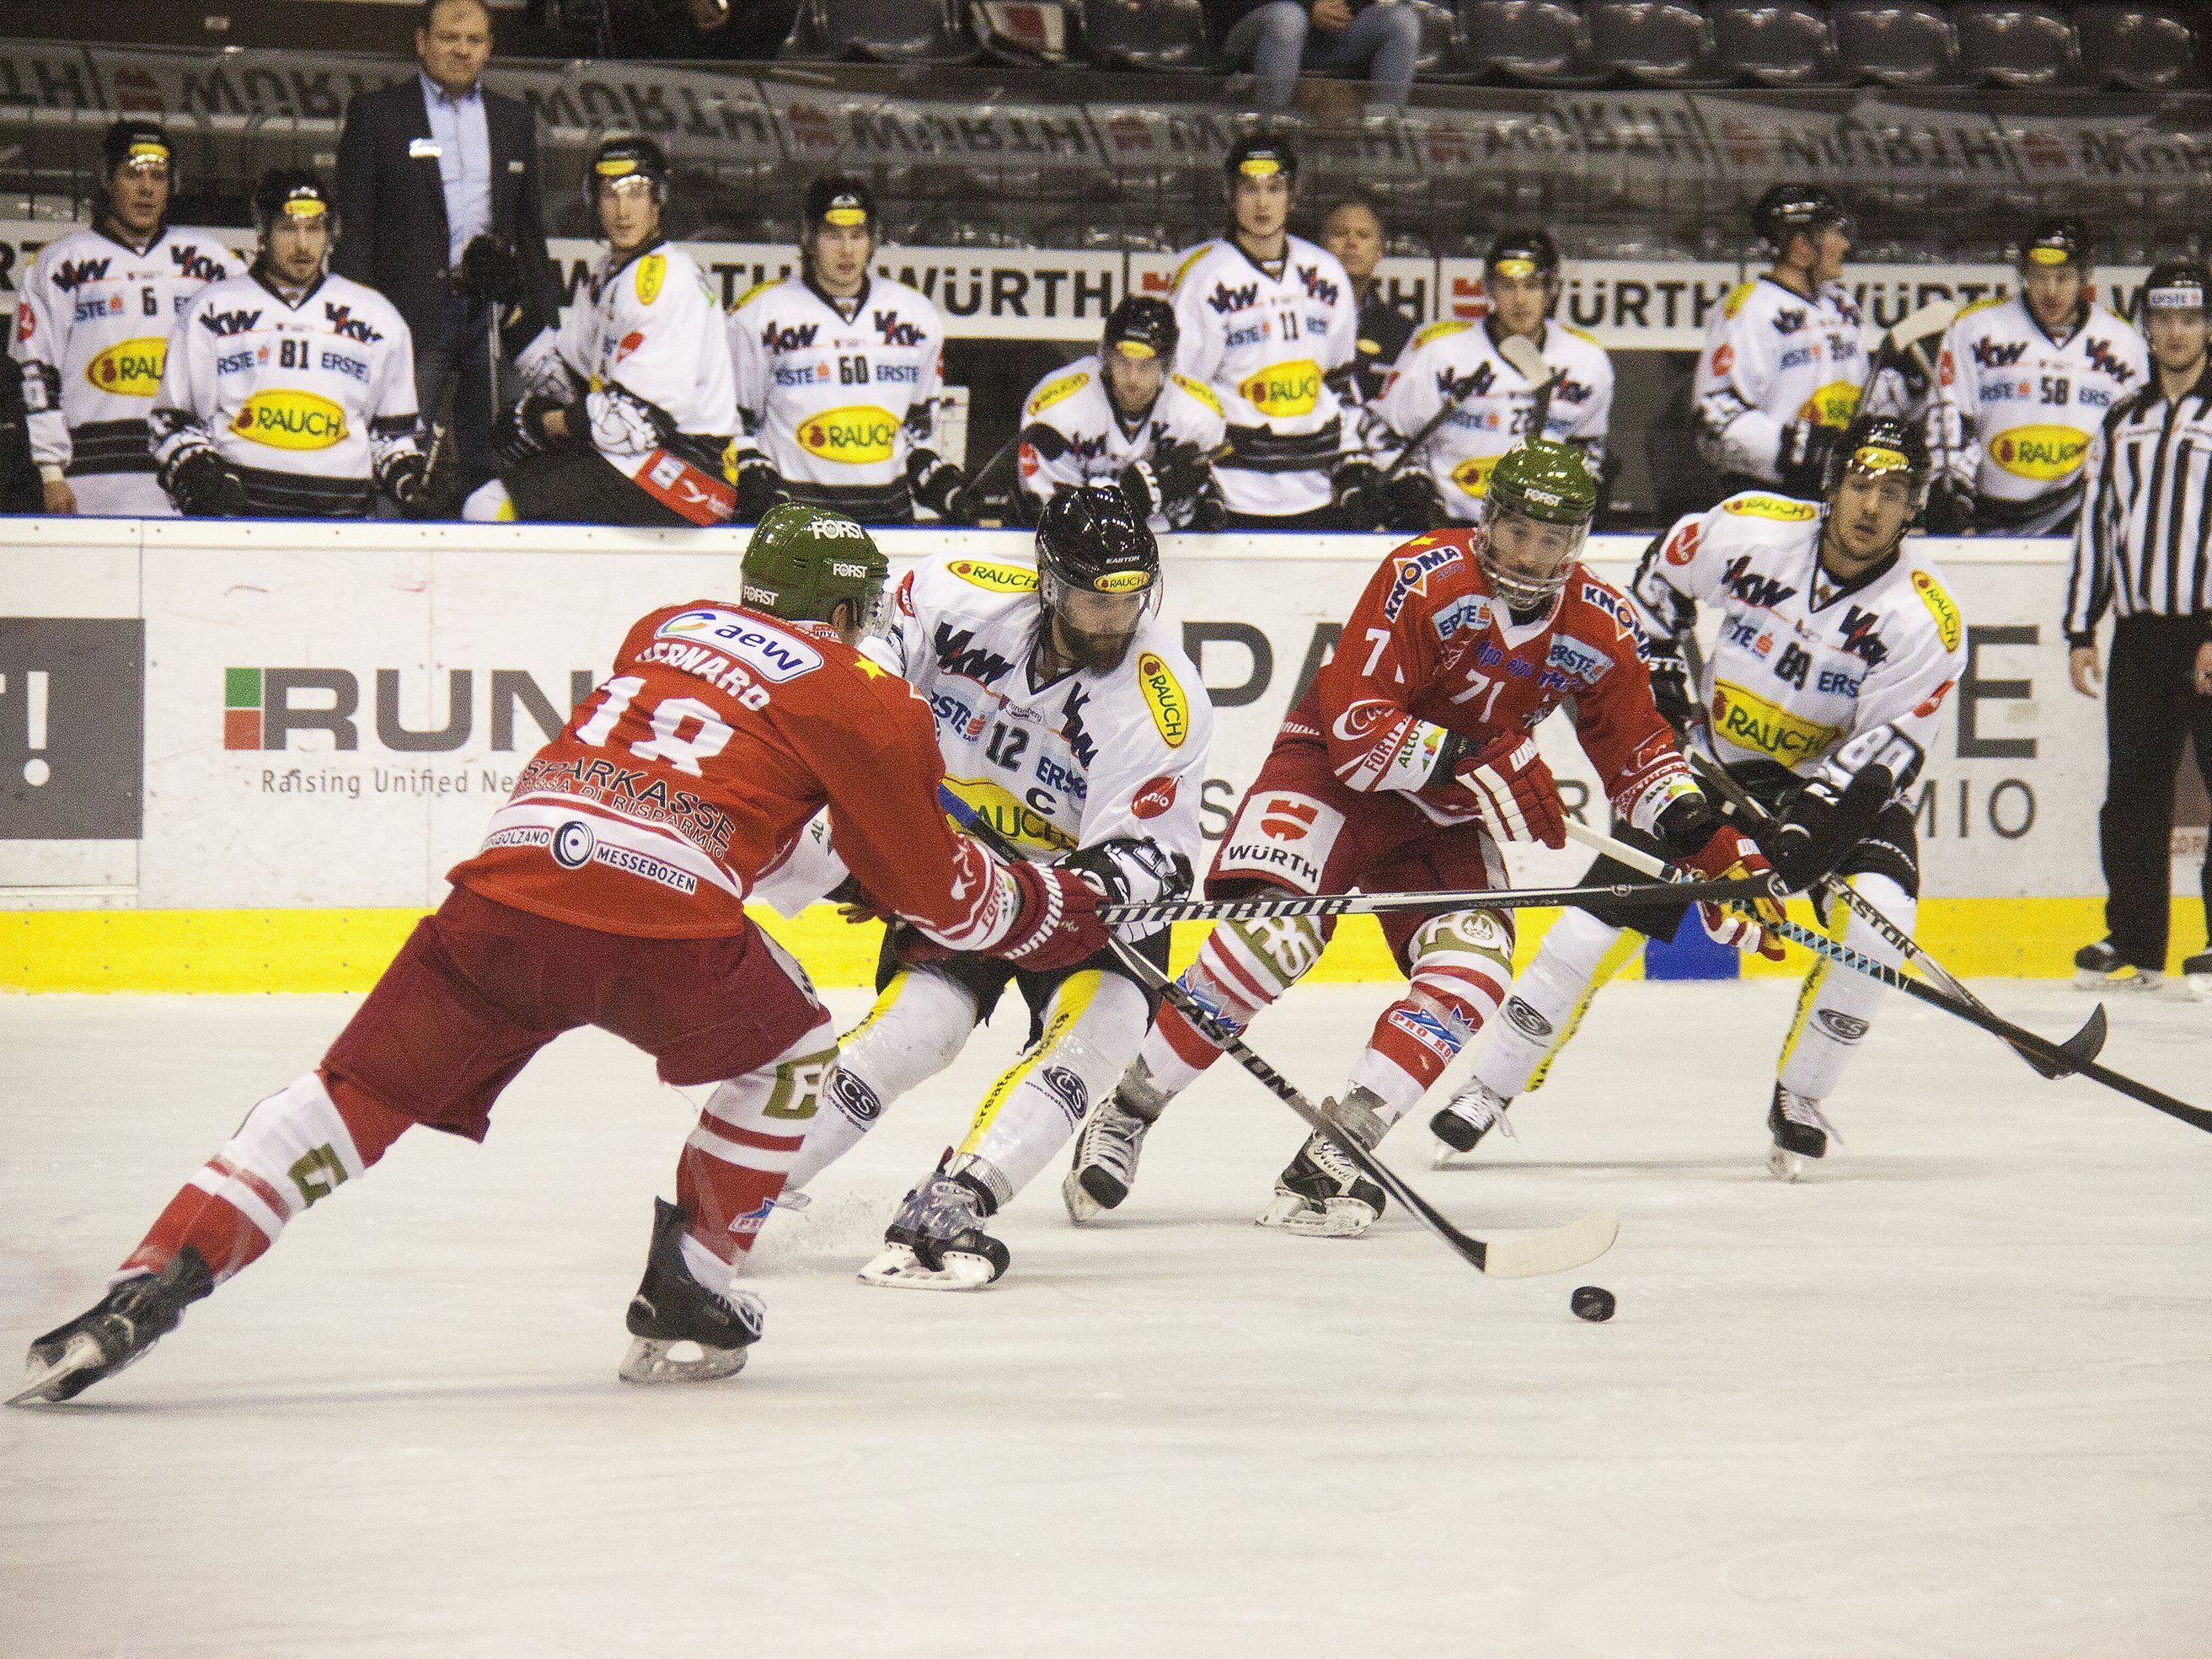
[1878, 445]
[1143, 327]
[2176, 285]
[2056, 241]
[1259, 156]
[625, 155]
[292, 193]
[1785, 209]
[836, 198]
[1525, 252]
[133, 140]
[1093, 546]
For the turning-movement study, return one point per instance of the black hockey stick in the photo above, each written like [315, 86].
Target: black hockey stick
[2084, 1045]
[1282, 903]
[2017, 1037]
[1553, 1250]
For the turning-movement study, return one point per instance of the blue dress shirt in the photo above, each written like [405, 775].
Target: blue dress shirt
[457, 124]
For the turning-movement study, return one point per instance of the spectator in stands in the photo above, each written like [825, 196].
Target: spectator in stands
[1353, 232]
[1275, 39]
[438, 181]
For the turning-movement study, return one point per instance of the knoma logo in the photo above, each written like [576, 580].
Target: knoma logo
[263, 708]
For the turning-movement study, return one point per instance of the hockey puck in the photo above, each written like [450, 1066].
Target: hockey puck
[1593, 1303]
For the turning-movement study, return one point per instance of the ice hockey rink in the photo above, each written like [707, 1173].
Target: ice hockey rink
[1946, 1397]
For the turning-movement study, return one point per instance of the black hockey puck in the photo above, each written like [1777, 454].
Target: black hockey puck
[1593, 1303]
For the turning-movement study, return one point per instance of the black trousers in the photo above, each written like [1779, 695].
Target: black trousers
[574, 484]
[452, 359]
[2151, 708]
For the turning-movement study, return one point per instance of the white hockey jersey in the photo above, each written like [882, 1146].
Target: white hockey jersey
[1453, 359]
[2014, 410]
[1773, 357]
[834, 400]
[1805, 673]
[309, 402]
[91, 335]
[1070, 433]
[1269, 347]
[644, 341]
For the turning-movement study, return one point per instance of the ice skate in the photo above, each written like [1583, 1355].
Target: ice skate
[937, 1241]
[114, 1332]
[1322, 1192]
[1105, 1165]
[1466, 1118]
[1800, 1132]
[2098, 968]
[673, 1309]
[2197, 975]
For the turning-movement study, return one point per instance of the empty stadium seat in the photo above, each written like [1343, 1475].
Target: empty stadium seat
[1663, 43]
[2016, 46]
[2150, 48]
[883, 31]
[1546, 41]
[1908, 44]
[1024, 31]
[1146, 34]
[1439, 38]
[1784, 45]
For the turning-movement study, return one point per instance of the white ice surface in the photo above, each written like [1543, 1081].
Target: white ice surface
[1949, 1396]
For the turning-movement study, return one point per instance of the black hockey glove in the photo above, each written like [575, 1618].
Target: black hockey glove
[1819, 826]
[520, 433]
[1412, 502]
[1950, 509]
[1800, 460]
[204, 486]
[759, 487]
[1357, 492]
[418, 491]
[1671, 689]
[1182, 471]
[938, 485]
[1126, 866]
[1141, 485]
[488, 271]
[1208, 512]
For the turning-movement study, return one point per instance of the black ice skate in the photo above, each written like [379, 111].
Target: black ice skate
[2197, 974]
[1322, 1192]
[937, 1243]
[2098, 966]
[1467, 1117]
[128, 1321]
[671, 1307]
[1800, 1132]
[1105, 1165]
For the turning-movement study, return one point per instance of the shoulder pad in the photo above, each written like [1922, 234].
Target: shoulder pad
[648, 275]
[1967, 311]
[992, 577]
[755, 292]
[1190, 259]
[1948, 626]
[1781, 508]
[1438, 330]
[1054, 391]
[1199, 391]
[1737, 295]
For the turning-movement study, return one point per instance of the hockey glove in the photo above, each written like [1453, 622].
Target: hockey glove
[1412, 503]
[1729, 855]
[1357, 493]
[414, 491]
[938, 485]
[203, 486]
[1057, 925]
[1670, 687]
[759, 487]
[1208, 512]
[1950, 509]
[520, 433]
[488, 271]
[1800, 460]
[1141, 486]
[1126, 867]
[1820, 824]
[1182, 471]
[1514, 799]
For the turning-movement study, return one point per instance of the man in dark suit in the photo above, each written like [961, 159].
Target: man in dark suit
[438, 190]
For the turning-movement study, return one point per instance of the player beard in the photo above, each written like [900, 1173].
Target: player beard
[1098, 654]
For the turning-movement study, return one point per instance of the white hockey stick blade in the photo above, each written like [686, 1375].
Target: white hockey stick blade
[1927, 322]
[1554, 1250]
[1520, 350]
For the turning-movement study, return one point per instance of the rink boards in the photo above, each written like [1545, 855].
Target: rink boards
[241, 756]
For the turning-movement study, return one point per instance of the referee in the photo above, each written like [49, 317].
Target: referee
[2144, 551]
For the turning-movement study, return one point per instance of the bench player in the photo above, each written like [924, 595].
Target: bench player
[611, 891]
[1406, 767]
[1837, 646]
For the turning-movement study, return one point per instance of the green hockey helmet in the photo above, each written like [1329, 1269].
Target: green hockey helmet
[1536, 517]
[802, 560]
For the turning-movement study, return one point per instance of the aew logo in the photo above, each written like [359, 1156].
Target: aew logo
[797, 337]
[958, 653]
[76, 273]
[1990, 354]
[1225, 299]
[1317, 286]
[895, 333]
[222, 323]
[1860, 638]
[191, 261]
[1472, 385]
[1754, 590]
[2099, 354]
[1568, 389]
[342, 321]
[1788, 319]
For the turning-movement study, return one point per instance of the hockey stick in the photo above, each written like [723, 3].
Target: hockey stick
[1383, 905]
[1907, 333]
[1520, 350]
[2085, 1044]
[2018, 1037]
[1552, 1250]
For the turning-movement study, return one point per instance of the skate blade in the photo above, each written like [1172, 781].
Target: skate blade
[652, 1359]
[2120, 979]
[1081, 1206]
[899, 1268]
[1784, 1164]
[1341, 1217]
[49, 1386]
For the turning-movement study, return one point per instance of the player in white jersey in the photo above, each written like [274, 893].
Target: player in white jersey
[1785, 356]
[1121, 415]
[1074, 727]
[2021, 386]
[92, 330]
[1837, 646]
[630, 412]
[290, 391]
[838, 369]
[1456, 365]
[1268, 321]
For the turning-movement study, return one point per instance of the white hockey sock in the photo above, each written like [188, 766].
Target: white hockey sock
[1541, 1010]
[915, 1028]
[1836, 1007]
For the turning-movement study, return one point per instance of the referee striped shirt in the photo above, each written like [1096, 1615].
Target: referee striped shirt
[2144, 546]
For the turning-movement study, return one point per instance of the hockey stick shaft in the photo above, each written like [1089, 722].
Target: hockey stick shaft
[2018, 1037]
[1717, 779]
[1283, 903]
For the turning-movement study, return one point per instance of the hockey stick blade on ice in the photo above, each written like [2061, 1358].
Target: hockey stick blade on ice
[2084, 1045]
[1282, 903]
[2017, 1037]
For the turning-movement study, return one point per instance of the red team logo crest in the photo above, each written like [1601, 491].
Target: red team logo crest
[1723, 359]
[1287, 820]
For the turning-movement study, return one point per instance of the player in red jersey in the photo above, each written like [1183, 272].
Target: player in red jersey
[610, 892]
[1404, 767]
